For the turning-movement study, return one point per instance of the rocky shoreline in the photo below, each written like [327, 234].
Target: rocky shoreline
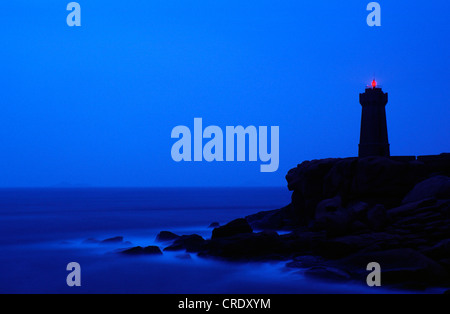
[345, 214]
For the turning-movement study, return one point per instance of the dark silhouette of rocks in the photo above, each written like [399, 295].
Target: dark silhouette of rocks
[352, 185]
[112, 240]
[441, 251]
[346, 213]
[436, 187]
[190, 243]
[138, 250]
[214, 225]
[377, 218]
[164, 236]
[403, 265]
[245, 246]
[235, 227]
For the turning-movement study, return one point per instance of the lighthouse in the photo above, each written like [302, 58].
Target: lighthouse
[374, 136]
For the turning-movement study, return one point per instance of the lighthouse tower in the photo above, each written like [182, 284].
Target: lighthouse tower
[374, 135]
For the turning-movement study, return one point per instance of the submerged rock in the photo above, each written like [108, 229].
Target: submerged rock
[138, 250]
[214, 225]
[91, 241]
[166, 236]
[185, 256]
[328, 273]
[112, 240]
[305, 261]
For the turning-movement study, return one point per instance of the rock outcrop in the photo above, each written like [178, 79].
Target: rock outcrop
[190, 243]
[238, 226]
[346, 213]
[138, 250]
[166, 236]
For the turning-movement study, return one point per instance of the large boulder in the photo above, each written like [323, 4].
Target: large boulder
[278, 219]
[265, 220]
[332, 217]
[436, 187]
[309, 175]
[377, 217]
[164, 236]
[359, 210]
[235, 227]
[440, 250]
[190, 243]
[409, 209]
[383, 180]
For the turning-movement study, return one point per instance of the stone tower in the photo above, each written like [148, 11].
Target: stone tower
[374, 136]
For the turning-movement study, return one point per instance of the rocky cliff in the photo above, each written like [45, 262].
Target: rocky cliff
[341, 195]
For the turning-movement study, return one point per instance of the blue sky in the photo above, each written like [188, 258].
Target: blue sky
[96, 105]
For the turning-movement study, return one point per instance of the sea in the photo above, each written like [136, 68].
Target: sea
[43, 230]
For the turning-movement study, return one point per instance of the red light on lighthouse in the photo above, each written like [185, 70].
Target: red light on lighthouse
[374, 84]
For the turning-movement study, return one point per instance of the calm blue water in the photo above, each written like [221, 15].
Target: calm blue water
[42, 230]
